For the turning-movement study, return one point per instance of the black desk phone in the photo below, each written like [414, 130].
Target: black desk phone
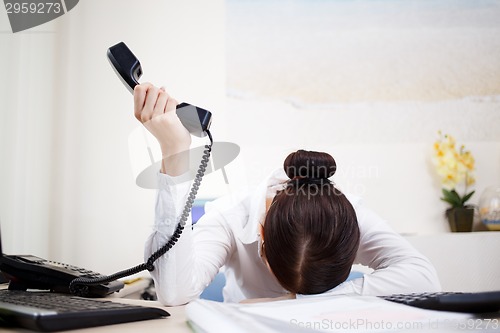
[30, 272]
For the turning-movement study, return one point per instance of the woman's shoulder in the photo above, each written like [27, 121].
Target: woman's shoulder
[355, 200]
[368, 219]
[232, 209]
[240, 211]
[229, 202]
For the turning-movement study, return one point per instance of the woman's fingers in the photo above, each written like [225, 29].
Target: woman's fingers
[150, 103]
[161, 102]
[171, 105]
[139, 99]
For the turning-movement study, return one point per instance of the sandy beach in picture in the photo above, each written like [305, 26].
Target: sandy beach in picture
[339, 51]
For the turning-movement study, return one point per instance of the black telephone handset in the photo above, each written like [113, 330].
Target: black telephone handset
[30, 272]
[128, 68]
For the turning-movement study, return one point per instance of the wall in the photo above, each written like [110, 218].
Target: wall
[450, 253]
[68, 191]
[67, 184]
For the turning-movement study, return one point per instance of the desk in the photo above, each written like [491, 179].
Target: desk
[175, 323]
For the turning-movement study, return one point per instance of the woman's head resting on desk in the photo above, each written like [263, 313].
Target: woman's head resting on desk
[310, 234]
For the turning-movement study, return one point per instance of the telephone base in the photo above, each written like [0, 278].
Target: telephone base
[14, 285]
[30, 272]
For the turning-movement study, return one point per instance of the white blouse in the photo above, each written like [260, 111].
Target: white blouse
[227, 235]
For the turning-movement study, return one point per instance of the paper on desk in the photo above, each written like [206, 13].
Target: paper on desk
[354, 313]
[324, 314]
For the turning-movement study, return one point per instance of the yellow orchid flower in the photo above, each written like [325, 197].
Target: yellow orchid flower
[454, 167]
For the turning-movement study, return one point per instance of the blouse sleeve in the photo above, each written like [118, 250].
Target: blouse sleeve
[397, 266]
[189, 266]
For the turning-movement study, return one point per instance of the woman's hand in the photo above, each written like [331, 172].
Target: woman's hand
[156, 110]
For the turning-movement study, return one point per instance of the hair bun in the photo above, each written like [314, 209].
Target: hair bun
[309, 164]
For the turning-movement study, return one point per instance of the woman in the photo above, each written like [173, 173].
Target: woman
[296, 235]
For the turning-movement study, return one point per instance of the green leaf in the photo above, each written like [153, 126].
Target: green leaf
[452, 198]
[467, 197]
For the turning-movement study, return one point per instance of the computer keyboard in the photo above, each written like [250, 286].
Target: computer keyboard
[471, 302]
[46, 311]
[57, 303]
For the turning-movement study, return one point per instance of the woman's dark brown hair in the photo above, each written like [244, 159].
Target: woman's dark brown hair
[311, 231]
